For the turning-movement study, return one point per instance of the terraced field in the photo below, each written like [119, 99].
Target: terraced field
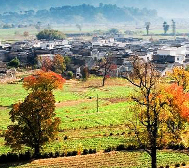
[105, 160]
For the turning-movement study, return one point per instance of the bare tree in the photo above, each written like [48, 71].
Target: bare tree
[106, 65]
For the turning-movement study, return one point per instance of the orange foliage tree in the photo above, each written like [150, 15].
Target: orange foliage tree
[34, 119]
[34, 122]
[158, 110]
[180, 76]
[43, 81]
[56, 63]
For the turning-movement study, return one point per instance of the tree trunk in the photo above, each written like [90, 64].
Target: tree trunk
[153, 157]
[103, 81]
[36, 150]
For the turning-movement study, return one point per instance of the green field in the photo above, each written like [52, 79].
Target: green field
[16, 34]
[82, 127]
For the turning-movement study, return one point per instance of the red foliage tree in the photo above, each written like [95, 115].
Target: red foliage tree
[43, 81]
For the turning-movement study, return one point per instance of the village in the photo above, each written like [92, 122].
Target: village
[163, 53]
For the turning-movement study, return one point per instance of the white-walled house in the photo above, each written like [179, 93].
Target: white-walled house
[170, 54]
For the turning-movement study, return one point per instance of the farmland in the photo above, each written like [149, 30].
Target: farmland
[85, 127]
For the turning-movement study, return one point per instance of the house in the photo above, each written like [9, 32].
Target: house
[170, 55]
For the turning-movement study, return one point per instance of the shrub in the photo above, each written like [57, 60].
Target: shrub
[3, 158]
[183, 164]
[109, 149]
[65, 137]
[12, 157]
[70, 74]
[131, 147]
[74, 153]
[69, 154]
[57, 154]
[120, 147]
[14, 63]
[177, 165]
[85, 152]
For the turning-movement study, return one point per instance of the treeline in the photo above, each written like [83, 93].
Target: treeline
[79, 14]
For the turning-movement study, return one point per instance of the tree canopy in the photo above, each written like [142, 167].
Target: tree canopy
[34, 122]
[49, 34]
[160, 110]
[45, 81]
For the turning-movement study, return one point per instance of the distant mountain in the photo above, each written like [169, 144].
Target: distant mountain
[165, 8]
[104, 13]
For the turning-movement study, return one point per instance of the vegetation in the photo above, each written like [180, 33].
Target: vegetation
[85, 128]
[14, 63]
[147, 25]
[50, 35]
[87, 13]
[113, 31]
[165, 27]
[34, 122]
[158, 113]
[56, 64]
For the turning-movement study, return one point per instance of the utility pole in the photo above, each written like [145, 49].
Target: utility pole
[97, 104]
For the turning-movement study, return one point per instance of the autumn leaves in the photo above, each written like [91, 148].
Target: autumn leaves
[34, 119]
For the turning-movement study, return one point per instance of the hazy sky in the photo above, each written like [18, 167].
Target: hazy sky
[165, 8]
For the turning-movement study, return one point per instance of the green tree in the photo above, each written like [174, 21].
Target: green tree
[50, 35]
[165, 27]
[113, 31]
[14, 63]
[147, 25]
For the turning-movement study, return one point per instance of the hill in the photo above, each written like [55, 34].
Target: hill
[165, 8]
[80, 14]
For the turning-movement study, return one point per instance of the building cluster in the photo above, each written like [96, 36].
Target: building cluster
[164, 53]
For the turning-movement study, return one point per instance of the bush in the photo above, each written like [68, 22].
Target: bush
[3, 158]
[69, 154]
[85, 152]
[183, 164]
[65, 138]
[120, 147]
[109, 149]
[12, 157]
[70, 74]
[74, 153]
[14, 63]
[131, 147]
[177, 165]
[167, 166]
[57, 154]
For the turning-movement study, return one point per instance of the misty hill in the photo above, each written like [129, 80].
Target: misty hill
[166, 8]
[80, 14]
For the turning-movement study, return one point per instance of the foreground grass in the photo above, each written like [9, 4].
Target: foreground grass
[82, 127]
[76, 105]
[112, 159]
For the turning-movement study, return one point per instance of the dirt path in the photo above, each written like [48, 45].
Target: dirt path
[73, 102]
